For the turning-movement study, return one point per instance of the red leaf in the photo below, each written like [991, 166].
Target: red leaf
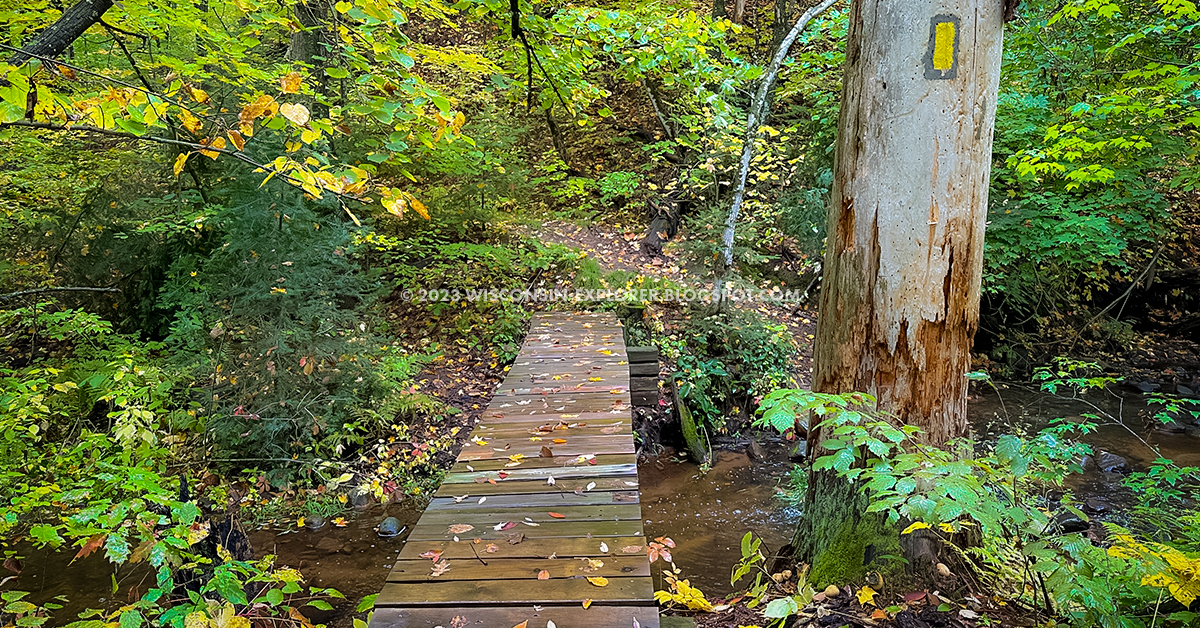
[13, 564]
[508, 525]
[92, 545]
[915, 596]
[557, 515]
[502, 475]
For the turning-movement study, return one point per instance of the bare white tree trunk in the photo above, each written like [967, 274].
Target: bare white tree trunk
[757, 115]
[904, 255]
[900, 297]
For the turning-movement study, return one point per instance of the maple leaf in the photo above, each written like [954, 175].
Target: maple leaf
[92, 545]
[866, 595]
[557, 515]
[460, 528]
[440, 568]
[599, 581]
[543, 575]
[433, 555]
[179, 162]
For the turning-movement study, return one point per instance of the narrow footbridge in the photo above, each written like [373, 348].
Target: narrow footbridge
[539, 520]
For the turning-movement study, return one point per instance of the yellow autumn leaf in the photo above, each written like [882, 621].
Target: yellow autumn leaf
[866, 595]
[294, 112]
[290, 84]
[599, 581]
[197, 94]
[236, 138]
[919, 525]
[179, 163]
[418, 207]
[189, 121]
[195, 619]
[218, 142]
[586, 604]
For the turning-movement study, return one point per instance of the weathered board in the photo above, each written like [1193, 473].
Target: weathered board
[543, 497]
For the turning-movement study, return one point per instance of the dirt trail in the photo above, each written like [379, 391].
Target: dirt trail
[617, 247]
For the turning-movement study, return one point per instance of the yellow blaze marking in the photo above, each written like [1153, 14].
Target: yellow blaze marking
[943, 46]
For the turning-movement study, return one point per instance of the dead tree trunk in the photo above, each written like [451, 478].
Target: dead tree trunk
[900, 296]
[62, 33]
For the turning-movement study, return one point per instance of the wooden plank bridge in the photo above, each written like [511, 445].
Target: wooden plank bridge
[539, 520]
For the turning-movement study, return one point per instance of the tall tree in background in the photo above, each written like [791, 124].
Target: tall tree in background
[900, 295]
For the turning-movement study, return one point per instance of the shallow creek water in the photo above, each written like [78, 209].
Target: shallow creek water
[706, 514]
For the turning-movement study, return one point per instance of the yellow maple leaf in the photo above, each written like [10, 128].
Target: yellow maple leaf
[866, 595]
[179, 162]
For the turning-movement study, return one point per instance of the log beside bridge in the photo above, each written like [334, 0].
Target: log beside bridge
[540, 514]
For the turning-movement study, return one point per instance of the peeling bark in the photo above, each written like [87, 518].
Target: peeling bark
[900, 294]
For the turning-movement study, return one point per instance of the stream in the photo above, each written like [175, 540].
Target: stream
[706, 514]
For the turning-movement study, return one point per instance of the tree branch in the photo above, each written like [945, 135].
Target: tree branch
[144, 90]
[240, 156]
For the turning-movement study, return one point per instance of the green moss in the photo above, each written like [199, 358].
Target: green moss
[843, 560]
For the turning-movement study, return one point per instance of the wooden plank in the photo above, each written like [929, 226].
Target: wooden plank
[633, 591]
[518, 473]
[548, 530]
[550, 430]
[639, 384]
[421, 570]
[573, 547]
[540, 463]
[646, 398]
[533, 487]
[614, 444]
[644, 369]
[546, 500]
[538, 390]
[486, 514]
[573, 616]
[494, 416]
[500, 446]
[642, 354]
[556, 399]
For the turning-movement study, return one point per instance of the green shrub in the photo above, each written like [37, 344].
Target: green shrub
[727, 360]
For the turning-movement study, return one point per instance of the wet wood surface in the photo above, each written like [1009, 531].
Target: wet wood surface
[540, 514]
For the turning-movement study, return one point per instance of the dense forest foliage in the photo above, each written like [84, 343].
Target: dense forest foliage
[240, 236]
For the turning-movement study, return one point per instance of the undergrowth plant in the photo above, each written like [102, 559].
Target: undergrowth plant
[1012, 491]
